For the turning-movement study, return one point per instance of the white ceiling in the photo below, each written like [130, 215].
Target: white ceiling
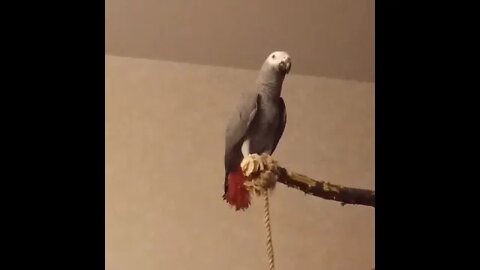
[329, 38]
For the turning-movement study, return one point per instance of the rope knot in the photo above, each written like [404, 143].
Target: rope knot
[261, 172]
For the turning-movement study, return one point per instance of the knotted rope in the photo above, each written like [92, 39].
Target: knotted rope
[262, 174]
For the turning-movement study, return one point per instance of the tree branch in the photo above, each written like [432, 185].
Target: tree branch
[262, 171]
[325, 190]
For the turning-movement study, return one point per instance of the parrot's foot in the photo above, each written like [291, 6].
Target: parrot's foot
[261, 172]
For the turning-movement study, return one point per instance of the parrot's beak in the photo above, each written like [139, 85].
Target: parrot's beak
[285, 65]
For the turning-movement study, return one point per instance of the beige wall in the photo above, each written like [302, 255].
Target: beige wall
[164, 171]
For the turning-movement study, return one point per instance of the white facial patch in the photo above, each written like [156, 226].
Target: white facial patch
[275, 58]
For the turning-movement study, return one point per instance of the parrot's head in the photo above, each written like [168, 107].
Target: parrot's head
[279, 61]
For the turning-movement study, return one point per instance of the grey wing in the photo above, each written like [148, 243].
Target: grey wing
[283, 122]
[237, 128]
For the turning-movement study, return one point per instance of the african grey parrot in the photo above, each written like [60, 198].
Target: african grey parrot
[256, 126]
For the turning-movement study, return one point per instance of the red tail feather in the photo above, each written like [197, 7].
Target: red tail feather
[237, 194]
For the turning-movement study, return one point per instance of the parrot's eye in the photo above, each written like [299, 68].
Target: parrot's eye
[273, 56]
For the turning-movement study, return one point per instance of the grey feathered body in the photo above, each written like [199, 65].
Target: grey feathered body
[259, 118]
[263, 130]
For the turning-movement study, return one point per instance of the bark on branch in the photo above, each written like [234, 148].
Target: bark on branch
[262, 171]
[325, 190]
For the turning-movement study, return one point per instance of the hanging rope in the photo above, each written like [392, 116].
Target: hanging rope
[261, 172]
[271, 260]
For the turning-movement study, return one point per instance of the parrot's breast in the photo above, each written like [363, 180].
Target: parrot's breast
[262, 132]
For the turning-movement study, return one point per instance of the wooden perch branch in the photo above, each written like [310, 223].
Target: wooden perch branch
[325, 190]
[260, 170]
